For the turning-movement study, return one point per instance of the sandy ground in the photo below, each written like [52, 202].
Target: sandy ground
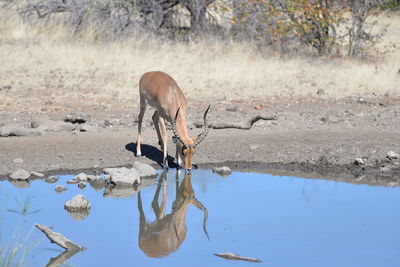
[311, 137]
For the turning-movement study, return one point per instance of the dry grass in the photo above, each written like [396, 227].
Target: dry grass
[38, 67]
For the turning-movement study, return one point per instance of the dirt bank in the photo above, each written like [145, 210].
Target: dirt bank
[318, 138]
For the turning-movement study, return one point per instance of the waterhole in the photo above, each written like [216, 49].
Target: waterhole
[179, 220]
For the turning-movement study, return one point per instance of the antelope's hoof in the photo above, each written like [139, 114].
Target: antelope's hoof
[138, 154]
[165, 167]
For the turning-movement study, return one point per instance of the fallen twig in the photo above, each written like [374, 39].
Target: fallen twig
[59, 239]
[233, 256]
[236, 125]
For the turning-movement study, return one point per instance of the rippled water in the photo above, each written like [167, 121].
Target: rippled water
[283, 221]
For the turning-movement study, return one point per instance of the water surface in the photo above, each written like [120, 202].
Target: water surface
[283, 221]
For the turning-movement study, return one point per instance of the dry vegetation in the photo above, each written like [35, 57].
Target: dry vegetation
[40, 66]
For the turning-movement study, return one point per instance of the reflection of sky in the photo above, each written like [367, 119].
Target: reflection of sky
[283, 221]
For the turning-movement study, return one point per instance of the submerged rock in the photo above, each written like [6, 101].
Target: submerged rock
[123, 176]
[77, 203]
[60, 188]
[144, 169]
[51, 179]
[223, 171]
[20, 174]
[97, 184]
[81, 177]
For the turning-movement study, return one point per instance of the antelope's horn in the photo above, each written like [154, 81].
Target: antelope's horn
[174, 128]
[200, 206]
[203, 135]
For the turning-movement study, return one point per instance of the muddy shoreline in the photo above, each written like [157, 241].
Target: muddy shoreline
[345, 140]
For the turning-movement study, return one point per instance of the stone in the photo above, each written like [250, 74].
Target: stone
[37, 174]
[359, 161]
[77, 203]
[123, 176]
[97, 184]
[79, 215]
[77, 117]
[81, 185]
[51, 179]
[223, 171]
[232, 108]
[20, 174]
[59, 189]
[73, 181]
[59, 239]
[5, 131]
[320, 91]
[144, 170]
[392, 155]
[81, 177]
[35, 124]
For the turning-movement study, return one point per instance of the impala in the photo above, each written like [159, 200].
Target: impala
[167, 233]
[160, 91]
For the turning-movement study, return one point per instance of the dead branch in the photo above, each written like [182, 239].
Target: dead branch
[59, 239]
[236, 125]
[233, 256]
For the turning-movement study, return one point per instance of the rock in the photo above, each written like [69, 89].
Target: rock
[320, 91]
[35, 124]
[97, 184]
[108, 123]
[6, 131]
[37, 174]
[51, 179]
[359, 161]
[144, 169]
[81, 177]
[73, 181]
[223, 171]
[77, 203]
[392, 155]
[123, 176]
[77, 117]
[60, 188]
[18, 160]
[20, 174]
[81, 185]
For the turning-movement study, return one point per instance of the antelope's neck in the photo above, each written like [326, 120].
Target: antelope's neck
[181, 128]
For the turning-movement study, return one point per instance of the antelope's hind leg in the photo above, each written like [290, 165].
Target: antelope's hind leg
[143, 106]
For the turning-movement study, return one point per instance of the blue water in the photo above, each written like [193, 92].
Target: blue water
[283, 221]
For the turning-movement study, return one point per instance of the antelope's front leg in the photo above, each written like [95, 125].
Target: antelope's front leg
[164, 141]
[178, 156]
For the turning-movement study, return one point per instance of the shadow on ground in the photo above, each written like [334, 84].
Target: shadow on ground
[152, 153]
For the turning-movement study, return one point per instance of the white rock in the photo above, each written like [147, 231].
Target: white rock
[81, 177]
[123, 176]
[20, 174]
[144, 169]
[392, 155]
[37, 174]
[77, 203]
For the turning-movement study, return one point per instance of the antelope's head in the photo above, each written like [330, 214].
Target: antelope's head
[187, 147]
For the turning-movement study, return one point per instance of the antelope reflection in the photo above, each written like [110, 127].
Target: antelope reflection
[167, 233]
